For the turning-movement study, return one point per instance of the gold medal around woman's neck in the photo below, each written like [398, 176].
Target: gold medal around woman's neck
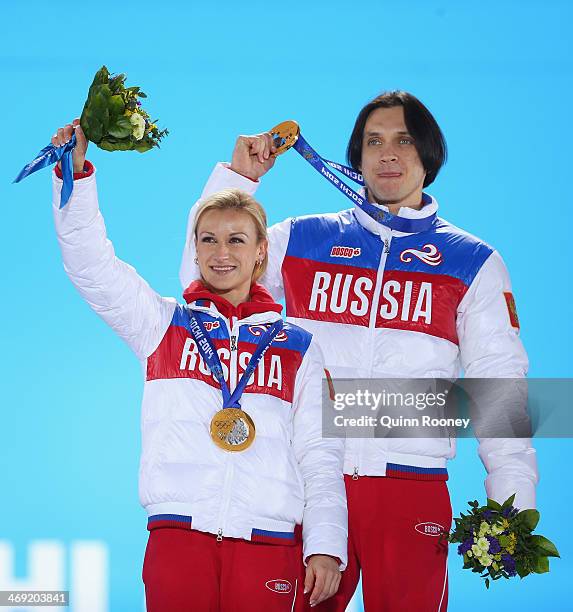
[232, 429]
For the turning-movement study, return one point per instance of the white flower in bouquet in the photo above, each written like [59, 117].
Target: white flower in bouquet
[486, 560]
[496, 530]
[138, 123]
[483, 544]
[484, 529]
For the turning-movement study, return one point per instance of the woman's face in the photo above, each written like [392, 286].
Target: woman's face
[227, 251]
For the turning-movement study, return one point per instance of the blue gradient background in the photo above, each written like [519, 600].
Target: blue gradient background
[497, 76]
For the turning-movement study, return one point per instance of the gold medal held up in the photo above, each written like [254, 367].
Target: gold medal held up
[232, 429]
[284, 135]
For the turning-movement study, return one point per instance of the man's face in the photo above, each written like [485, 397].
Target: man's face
[391, 167]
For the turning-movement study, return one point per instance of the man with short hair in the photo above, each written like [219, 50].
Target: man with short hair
[398, 293]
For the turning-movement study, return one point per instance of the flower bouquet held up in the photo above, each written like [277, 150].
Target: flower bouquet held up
[496, 541]
[112, 118]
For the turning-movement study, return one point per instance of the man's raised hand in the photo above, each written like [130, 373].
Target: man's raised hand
[253, 156]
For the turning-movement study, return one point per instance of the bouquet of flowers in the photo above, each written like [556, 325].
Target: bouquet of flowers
[496, 541]
[113, 118]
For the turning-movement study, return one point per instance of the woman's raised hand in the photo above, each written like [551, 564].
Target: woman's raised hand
[64, 135]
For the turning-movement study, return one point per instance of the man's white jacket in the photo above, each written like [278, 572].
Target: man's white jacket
[289, 475]
[387, 304]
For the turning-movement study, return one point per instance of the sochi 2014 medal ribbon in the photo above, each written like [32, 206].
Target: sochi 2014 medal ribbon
[287, 135]
[50, 155]
[231, 428]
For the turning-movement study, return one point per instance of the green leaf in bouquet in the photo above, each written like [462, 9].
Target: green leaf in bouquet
[121, 128]
[529, 518]
[106, 145]
[522, 569]
[487, 583]
[115, 145]
[504, 541]
[101, 76]
[508, 502]
[116, 83]
[105, 120]
[141, 94]
[98, 104]
[544, 545]
[493, 505]
[124, 145]
[95, 131]
[541, 565]
[116, 107]
[143, 146]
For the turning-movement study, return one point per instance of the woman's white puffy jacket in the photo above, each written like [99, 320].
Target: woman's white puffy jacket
[289, 476]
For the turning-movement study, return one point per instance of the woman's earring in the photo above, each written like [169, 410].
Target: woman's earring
[196, 260]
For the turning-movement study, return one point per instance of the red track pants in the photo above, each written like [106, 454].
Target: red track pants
[189, 571]
[393, 526]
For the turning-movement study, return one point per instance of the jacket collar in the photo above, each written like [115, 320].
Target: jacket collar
[260, 302]
[373, 226]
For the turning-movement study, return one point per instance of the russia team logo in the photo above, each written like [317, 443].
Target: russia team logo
[428, 254]
[258, 330]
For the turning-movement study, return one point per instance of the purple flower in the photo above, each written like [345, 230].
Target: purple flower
[494, 546]
[487, 515]
[508, 564]
[138, 103]
[509, 512]
[465, 546]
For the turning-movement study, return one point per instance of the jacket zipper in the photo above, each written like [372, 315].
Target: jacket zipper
[372, 323]
[233, 329]
[377, 293]
[230, 468]
[233, 341]
[226, 500]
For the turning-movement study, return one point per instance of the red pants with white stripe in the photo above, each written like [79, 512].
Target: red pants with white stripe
[393, 540]
[189, 571]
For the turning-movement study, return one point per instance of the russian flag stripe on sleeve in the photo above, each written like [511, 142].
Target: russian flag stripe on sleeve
[511, 309]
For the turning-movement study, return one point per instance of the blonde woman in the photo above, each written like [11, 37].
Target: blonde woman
[233, 461]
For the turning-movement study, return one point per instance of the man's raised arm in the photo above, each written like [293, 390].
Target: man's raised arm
[252, 158]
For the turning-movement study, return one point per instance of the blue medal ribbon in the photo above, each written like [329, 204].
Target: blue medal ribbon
[394, 222]
[50, 155]
[210, 357]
